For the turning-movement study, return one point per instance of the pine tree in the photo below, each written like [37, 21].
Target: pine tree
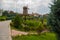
[54, 17]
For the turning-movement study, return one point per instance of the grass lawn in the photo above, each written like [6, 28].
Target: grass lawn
[44, 36]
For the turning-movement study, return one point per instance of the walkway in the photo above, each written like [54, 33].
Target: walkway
[5, 30]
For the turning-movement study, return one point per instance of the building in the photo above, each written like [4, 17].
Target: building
[25, 12]
[1, 12]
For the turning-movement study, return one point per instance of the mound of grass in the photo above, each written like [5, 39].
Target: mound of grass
[44, 36]
[2, 18]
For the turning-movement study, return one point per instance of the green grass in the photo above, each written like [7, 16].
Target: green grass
[2, 18]
[44, 36]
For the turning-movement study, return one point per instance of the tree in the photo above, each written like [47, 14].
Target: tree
[17, 21]
[5, 13]
[54, 17]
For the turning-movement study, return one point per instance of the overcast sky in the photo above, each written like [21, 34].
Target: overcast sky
[38, 6]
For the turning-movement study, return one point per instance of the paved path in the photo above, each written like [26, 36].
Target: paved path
[5, 30]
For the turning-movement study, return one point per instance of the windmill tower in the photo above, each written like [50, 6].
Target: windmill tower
[25, 10]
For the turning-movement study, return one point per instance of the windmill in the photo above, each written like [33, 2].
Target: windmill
[25, 11]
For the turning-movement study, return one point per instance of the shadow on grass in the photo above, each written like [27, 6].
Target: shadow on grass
[58, 36]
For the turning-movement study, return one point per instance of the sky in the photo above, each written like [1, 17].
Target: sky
[35, 6]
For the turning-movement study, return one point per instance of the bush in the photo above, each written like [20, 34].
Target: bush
[2, 18]
[28, 25]
[16, 22]
[26, 29]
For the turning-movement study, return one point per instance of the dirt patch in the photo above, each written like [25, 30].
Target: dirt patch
[15, 32]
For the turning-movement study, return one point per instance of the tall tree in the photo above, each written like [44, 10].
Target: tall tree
[54, 17]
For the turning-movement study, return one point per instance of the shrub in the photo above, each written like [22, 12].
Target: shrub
[16, 22]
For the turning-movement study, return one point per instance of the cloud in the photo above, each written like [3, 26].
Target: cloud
[39, 6]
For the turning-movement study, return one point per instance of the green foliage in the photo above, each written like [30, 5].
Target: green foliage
[5, 13]
[9, 15]
[16, 22]
[30, 24]
[54, 17]
[44, 36]
[35, 24]
[2, 18]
